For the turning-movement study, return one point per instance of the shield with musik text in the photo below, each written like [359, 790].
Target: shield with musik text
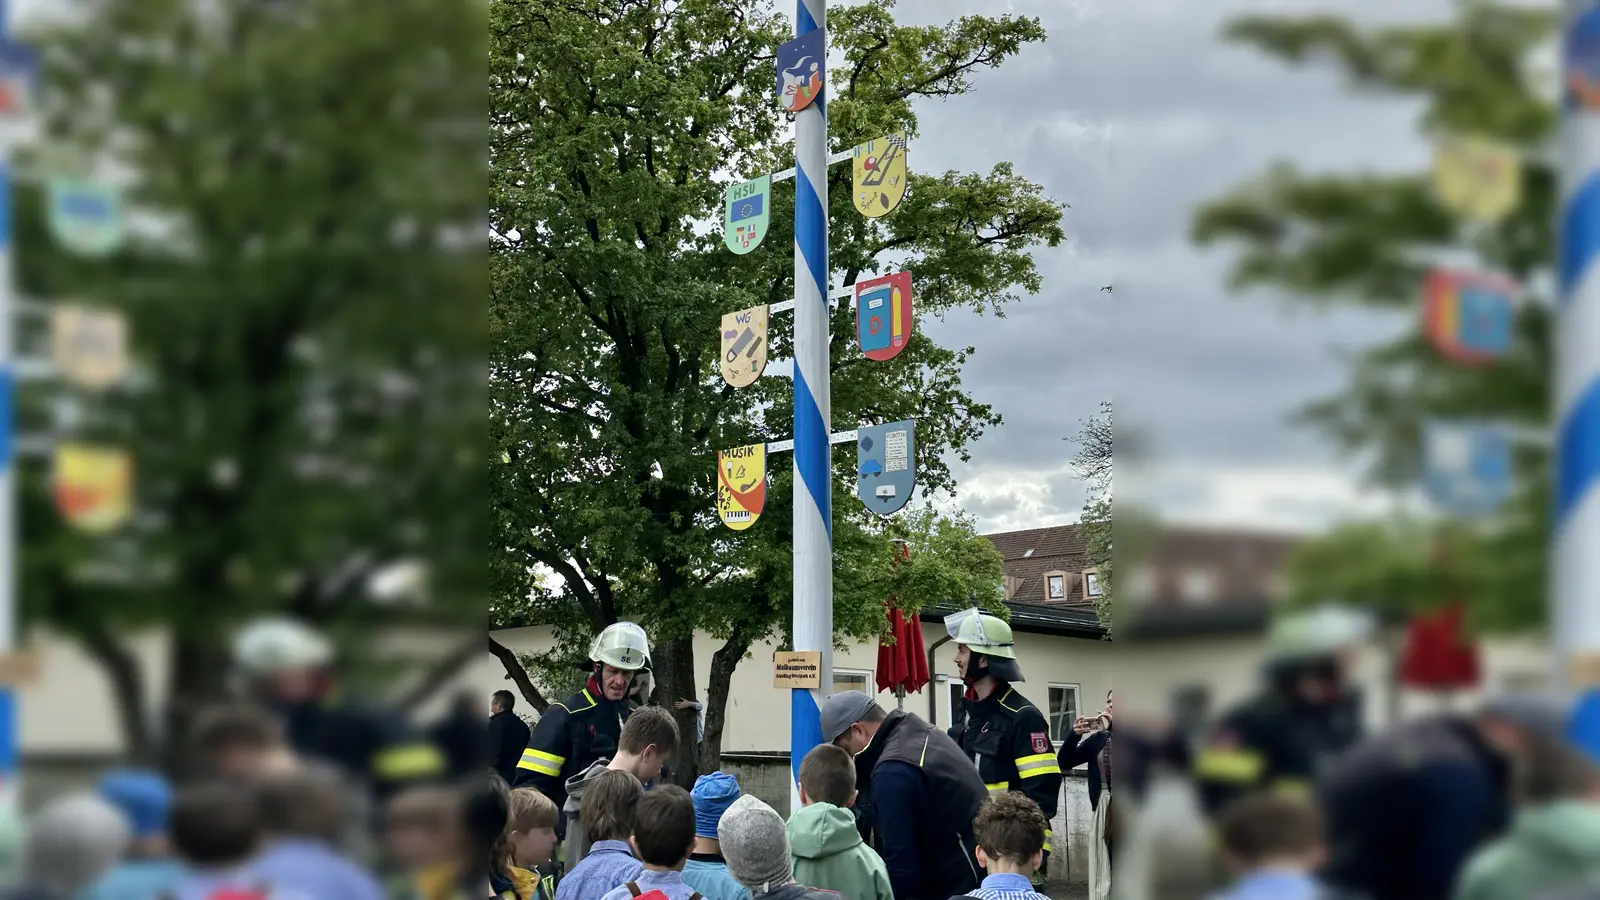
[802, 66]
[92, 486]
[886, 465]
[1477, 178]
[85, 217]
[879, 175]
[1467, 466]
[883, 315]
[746, 213]
[741, 485]
[88, 346]
[744, 346]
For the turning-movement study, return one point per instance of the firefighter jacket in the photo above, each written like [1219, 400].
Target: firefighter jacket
[1275, 743]
[570, 737]
[373, 743]
[1009, 741]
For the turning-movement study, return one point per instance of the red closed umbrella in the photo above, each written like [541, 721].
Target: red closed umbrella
[903, 664]
[1437, 655]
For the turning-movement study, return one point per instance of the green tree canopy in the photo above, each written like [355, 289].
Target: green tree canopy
[1368, 239]
[615, 128]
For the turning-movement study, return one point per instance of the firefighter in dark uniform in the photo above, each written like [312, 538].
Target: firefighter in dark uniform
[289, 667]
[585, 728]
[1005, 735]
[1306, 715]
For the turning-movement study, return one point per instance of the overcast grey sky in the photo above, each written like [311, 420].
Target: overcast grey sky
[1133, 112]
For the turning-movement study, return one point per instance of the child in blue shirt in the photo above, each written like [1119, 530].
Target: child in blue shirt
[663, 835]
[610, 802]
[149, 869]
[707, 870]
[1272, 844]
[1009, 830]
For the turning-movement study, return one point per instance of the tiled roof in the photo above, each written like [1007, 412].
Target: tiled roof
[1030, 554]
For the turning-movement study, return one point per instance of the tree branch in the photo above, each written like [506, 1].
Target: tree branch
[518, 674]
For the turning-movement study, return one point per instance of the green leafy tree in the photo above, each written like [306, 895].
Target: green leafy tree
[303, 393]
[615, 127]
[1365, 239]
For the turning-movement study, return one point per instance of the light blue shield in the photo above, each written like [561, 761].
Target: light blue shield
[1467, 467]
[85, 217]
[886, 465]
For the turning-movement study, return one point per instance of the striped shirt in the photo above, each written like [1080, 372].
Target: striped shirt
[1005, 886]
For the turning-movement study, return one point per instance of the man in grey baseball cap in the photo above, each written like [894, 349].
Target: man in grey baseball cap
[918, 795]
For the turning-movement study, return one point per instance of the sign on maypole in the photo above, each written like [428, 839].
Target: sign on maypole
[813, 494]
[1575, 563]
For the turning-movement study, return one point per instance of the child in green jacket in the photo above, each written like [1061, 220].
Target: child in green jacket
[827, 848]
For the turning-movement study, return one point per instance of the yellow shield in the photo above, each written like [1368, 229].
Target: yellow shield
[1477, 179]
[744, 346]
[879, 169]
[89, 347]
[741, 485]
[92, 486]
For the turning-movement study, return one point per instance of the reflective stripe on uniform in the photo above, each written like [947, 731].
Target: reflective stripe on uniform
[1039, 764]
[1002, 786]
[1292, 787]
[541, 762]
[1047, 840]
[401, 761]
[1229, 765]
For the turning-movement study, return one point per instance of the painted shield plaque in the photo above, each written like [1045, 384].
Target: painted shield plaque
[19, 71]
[879, 170]
[883, 315]
[1581, 71]
[1468, 317]
[85, 216]
[1467, 467]
[741, 485]
[1477, 179]
[92, 486]
[89, 346]
[744, 346]
[886, 465]
[746, 212]
[802, 66]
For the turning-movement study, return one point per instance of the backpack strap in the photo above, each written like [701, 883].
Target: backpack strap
[696, 896]
[633, 888]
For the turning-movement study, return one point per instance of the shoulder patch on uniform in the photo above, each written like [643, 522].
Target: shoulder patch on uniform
[1041, 741]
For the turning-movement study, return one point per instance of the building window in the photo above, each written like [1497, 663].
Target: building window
[1058, 587]
[1063, 710]
[853, 680]
[1091, 583]
[1198, 586]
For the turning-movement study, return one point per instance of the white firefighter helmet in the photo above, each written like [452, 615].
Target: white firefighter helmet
[981, 633]
[623, 645]
[270, 646]
[1312, 634]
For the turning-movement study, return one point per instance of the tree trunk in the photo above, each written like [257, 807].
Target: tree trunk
[439, 675]
[672, 665]
[127, 687]
[723, 662]
[199, 669]
[519, 675]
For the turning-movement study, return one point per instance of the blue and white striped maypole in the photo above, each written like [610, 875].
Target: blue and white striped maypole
[1575, 564]
[813, 478]
[9, 739]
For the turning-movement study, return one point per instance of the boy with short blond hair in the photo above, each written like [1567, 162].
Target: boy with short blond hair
[531, 835]
[826, 846]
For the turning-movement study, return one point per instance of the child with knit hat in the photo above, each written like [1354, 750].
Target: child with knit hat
[72, 842]
[149, 868]
[707, 872]
[757, 850]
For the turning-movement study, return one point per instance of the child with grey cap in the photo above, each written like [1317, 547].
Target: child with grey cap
[756, 846]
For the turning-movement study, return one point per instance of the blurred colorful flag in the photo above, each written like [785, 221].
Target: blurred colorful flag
[1477, 178]
[93, 486]
[1468, 316]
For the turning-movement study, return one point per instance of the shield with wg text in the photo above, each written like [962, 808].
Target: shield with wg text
[744, 346]
[89, 346]
[746, 212]
[886, 465]
[879, 175]
[1476, 178]
[883, 315]
[802, 66]
[741, 485]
